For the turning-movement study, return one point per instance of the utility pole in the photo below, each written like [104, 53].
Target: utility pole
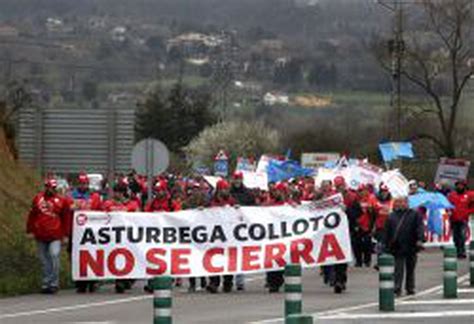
[396, 47]
[397, 57]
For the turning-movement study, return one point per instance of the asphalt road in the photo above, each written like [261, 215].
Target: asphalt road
[255, 305]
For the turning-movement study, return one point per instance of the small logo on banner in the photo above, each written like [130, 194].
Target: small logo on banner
[81, 219]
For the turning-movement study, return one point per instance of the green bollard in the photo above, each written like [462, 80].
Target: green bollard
[293, 290]
[162, 300]
[299, 319]
[386, 283]
[450, 276]
[471, 262]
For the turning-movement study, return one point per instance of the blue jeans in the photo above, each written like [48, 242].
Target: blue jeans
[49, 253]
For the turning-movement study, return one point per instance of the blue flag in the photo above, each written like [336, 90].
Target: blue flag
[283, 170]
[396, 150]
[430, 200]
[435, 221]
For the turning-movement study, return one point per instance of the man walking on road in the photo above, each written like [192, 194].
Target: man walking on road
[404, 236]
[47, 222]
[462, 200]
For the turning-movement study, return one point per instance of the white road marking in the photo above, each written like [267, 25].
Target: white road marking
[466, 290]
[438, 302]
[253, 278]
[89, 305]
[449, 314]
[75, 307]
[425, 292]
[107, 322]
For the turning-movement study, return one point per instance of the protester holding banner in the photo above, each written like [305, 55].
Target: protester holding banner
[327, 190]
[83, 200]
[161, 200]
[121, 202]
[404, 236]
[463, 201]
[353, 211]
[159, 203]
[221, 198]
[239, 192]
[196, 199]
[307, 189]
[278, 197]
[243, 197]
[47, 223]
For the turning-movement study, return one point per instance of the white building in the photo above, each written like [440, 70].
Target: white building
[273, 98]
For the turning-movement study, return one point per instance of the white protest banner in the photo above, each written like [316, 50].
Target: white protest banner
[452, 170]
[318, 160]
[362, 173]
[212, 180]
[396, 182]
[326, 175]
[210, 242]
[263, 163]
[446, 237]
[255, 180]
[246, 164]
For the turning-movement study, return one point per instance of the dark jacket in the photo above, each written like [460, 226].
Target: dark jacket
[242, 195]
[411, 231]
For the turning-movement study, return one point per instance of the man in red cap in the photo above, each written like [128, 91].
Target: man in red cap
[278, 197]
[363, 249]
[221, 198]
[121, 202]
[307, 189]
[463, 202]
[161, 200]
[83, 199]
[239, 192]
[47, 223]
[159, 203]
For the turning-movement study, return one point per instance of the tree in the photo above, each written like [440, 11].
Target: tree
[156, 43]
[17, 96]
[289, 72]
[237, 137]
[175, 117]
[89, 90]
[437, 60]
[323, 75]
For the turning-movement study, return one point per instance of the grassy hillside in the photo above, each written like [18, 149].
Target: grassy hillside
[19, 265]
[17, 254]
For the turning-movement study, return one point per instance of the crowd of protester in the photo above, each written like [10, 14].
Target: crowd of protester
[373, 215]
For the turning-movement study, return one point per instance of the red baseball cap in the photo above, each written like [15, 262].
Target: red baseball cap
[51, 183]
[222, 185]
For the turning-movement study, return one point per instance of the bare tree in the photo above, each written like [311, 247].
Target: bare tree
[16, 97]
[437, 60]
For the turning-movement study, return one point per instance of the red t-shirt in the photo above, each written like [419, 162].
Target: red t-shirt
[368, 205]
[217, 202]
[463, 205]
[125, 206]
[384, 208]
[47, 219]
[158, 205]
